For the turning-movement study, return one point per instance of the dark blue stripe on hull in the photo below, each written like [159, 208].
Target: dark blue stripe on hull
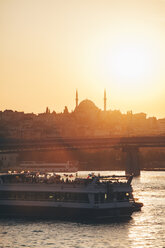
[62, 213]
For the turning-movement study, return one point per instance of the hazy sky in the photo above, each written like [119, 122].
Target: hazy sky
[50, 48]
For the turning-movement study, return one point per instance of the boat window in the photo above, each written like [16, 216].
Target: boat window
[123, 196]
[103, 197]
[96, 196]
[127, 196]
[44, 196]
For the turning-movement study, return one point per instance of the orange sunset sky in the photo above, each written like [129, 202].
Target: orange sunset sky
[50, 48]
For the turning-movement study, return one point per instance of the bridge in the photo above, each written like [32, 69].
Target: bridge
[130, 145]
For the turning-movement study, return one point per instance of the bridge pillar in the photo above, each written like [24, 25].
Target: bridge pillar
[132, 162]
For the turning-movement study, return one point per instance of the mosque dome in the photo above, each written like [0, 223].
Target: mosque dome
[87, 106]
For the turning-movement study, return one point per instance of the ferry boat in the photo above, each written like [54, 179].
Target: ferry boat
[69, 166]
[54, 196]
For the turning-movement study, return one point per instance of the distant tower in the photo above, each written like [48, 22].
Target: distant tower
[105, 101]
[76, 98]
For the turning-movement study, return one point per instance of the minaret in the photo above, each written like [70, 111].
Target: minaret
[105, 101]
[76, 98]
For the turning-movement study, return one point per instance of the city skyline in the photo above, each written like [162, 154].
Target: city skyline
[50, 49]
[78, 102]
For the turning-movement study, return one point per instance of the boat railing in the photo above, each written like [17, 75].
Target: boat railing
[66, 179]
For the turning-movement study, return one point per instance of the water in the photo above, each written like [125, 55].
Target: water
[144, 229]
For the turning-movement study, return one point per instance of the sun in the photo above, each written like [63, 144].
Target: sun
[131, 62]
[129, 67]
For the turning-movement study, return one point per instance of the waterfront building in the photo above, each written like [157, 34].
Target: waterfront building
[76, 98]
[161, 126]
[8, 160]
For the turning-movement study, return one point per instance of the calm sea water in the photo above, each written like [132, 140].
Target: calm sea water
[144, 229]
